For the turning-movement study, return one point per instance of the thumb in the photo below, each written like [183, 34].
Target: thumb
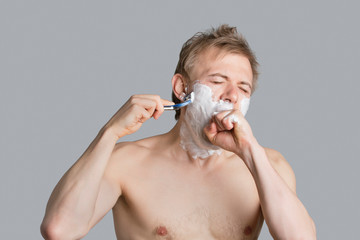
[210, 132]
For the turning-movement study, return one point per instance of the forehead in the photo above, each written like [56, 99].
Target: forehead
[215, 60]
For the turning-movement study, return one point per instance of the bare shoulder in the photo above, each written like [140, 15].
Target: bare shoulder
[126, 157]
[130, 155]
[131, 152]
[135, 149]
[283, 168]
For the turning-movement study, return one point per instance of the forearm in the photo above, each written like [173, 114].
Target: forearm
[284, 213]
[72, 203]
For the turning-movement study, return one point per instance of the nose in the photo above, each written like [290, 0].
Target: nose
[230, 94]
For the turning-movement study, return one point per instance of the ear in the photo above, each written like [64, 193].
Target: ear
[179, 84]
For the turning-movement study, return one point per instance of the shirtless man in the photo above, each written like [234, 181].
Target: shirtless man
[160, 189]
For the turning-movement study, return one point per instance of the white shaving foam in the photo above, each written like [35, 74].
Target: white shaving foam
[233, 118]
[244, 105]
[197, 116]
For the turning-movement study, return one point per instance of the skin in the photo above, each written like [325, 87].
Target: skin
[157, 191]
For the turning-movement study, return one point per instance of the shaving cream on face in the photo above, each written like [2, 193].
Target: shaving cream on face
[197, 116]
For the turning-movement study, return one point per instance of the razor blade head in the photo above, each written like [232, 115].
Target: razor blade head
[190, 96]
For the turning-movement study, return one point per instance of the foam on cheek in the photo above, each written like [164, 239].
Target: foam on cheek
[244, 105]
[197, 116]
[233, 118]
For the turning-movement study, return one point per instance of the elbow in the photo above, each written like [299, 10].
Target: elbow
[51, 230]
[313, 229]
[306, 232]
[299, 236]
[309, 234]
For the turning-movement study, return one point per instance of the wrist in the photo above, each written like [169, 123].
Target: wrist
[247, 151]
[258, 156]
[108, 132]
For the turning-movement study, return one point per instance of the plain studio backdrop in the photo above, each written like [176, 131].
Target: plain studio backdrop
[67, 66]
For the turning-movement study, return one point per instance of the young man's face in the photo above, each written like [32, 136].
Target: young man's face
[228, 75]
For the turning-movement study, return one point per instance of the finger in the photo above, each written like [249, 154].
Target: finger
[146, 103]
[210, 131]
[218, 119]
[227, 123]
[151, 102]
[218, 123]
[155, 97]
[230, 119]
[166, 102]
[235, 119]
[159, 108]
[159, 104]
[144, 115]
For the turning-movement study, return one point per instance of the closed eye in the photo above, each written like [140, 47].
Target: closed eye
[217, 78]
[217, 81]
[244, 90]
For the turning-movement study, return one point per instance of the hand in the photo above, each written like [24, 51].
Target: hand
[230, 131]
[137, 110]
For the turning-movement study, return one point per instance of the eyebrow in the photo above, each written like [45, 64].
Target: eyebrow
[226, 78]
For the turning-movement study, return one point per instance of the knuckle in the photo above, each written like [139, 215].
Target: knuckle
[158, 100]
[218, 117]
[133, 99]
[146, 115]
[135, 109]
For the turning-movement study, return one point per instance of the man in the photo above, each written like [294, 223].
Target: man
[212, 183]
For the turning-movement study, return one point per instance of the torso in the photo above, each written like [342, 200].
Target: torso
[166, 198]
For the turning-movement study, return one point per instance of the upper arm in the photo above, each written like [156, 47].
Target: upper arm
[110, 188]
[282, 167]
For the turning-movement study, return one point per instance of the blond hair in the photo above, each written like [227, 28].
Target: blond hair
[225, 38]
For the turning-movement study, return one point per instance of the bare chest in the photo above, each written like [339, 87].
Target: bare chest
[176, 205]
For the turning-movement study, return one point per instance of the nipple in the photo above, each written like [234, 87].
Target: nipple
[248, 230]
[161, 230]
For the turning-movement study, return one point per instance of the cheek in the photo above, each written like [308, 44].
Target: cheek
[216, 94]
[215, 90]
[239, 102]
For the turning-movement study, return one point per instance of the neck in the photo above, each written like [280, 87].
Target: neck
[178, 152]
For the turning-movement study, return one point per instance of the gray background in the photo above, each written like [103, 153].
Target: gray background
[67, 66]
